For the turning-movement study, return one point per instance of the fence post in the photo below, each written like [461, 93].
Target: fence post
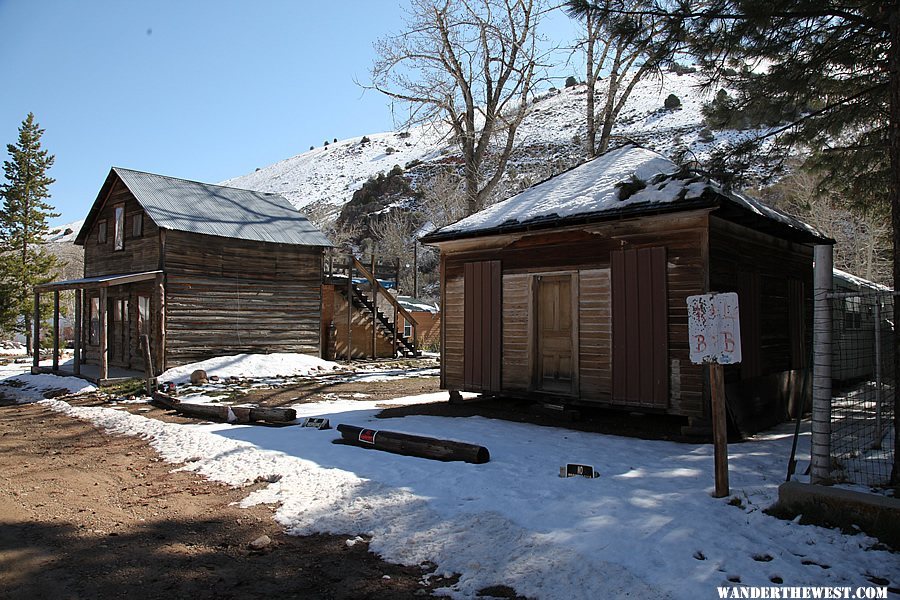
[820, 451]
[878, 426]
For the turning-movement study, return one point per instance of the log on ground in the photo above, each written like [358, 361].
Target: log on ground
[413, 445]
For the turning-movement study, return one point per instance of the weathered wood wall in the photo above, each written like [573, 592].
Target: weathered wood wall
[334, 309]
[227, 296]
[768, 320]
[138, 254]
[585, 249]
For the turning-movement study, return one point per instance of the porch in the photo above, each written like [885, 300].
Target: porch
[109, 318]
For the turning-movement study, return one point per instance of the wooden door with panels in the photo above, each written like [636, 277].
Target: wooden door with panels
[482, 326]
[640, 328]
[555, 329]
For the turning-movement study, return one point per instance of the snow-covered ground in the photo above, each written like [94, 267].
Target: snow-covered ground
[647, 527]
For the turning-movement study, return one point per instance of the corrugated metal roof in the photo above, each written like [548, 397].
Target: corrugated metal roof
[203, 208]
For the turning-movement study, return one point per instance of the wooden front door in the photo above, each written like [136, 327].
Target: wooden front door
[119, 332]
[554, 335]
[640, 328]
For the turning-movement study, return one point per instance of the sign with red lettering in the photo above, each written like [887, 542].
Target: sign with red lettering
[368, 436]
[714, 328]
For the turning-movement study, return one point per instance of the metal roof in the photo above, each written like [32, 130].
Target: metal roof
[99, 281]
[203, 208]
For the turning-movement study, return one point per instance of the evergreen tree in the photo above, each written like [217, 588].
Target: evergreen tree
[832, 68]
[23, 227]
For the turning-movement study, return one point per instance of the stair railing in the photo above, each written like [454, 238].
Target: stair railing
[398, 310]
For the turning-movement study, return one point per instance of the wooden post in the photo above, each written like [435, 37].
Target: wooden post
[79, 315]
[374, 310]
[349, 307]
[720, 427]
[396, 329]
[56, 330]
[415, 269]
[36, 338]
[160, 330]
[397, 274]
[104, 362]
[148, 363]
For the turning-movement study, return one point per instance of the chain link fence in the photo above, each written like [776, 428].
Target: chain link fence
[863, 386]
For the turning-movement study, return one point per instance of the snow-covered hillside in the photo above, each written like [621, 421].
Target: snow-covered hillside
[553, 131]
[65, 233]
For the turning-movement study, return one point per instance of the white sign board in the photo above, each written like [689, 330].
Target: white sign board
[714, 328]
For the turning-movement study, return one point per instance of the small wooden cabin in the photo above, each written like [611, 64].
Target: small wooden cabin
[574, 292]
[204, 270]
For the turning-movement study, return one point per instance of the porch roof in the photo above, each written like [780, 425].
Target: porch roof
[100, 281]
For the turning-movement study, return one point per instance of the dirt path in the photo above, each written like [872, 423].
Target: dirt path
[87, 515]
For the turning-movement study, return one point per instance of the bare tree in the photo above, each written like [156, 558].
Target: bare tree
[473, 64]
[444, 199]
[625, 45]
[863, 238]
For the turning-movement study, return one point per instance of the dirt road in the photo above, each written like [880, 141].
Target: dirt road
[87, 515]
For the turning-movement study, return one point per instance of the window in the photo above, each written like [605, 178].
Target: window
[144, 315]
[119, 229]
[101, 231]
[407, 330]
[852, 313]
[94, 333]
[137, 225]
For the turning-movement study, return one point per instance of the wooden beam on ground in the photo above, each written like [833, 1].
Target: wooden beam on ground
[223, 412]
[413, 445]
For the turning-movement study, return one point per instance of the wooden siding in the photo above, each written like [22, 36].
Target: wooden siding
[226, 296]
[516, 370]
[138, 254]
[763, 270]
[595, 335]
[585, 249]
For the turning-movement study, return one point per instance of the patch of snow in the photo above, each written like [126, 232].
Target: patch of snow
[18, 384]
[253, 366]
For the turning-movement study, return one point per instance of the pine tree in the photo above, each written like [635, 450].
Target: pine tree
[23, 227]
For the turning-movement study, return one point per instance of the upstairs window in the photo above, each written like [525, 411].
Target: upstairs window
[101, 231]
[119, 229]
[137, 225]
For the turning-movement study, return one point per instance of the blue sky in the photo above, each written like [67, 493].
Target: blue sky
[200, 89]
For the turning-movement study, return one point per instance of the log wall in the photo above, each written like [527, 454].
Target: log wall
[227, 296]
[140, 253]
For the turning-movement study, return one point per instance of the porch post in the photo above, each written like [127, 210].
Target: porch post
[56, 330]
[160, 293]
[36, 337]
[349, 307]
[76, 366]
[104, 363]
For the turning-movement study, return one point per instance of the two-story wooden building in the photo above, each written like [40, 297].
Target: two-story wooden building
[203, 270]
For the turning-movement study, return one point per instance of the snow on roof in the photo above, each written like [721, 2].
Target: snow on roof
[859, 281]
[601, 186]
[414, 304]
